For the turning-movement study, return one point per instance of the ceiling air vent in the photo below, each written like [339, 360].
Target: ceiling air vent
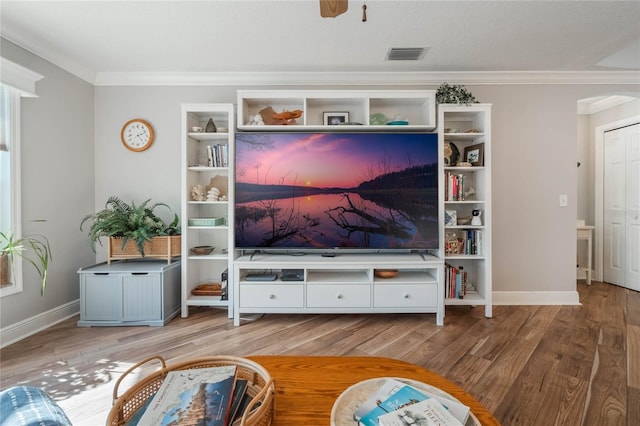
[406, 53]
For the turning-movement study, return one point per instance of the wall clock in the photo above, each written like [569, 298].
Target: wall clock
[137, 135]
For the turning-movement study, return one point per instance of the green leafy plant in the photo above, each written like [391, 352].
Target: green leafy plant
[35, 249]
[454, 94]
[129, 222]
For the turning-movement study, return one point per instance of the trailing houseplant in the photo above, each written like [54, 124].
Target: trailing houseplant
[35, 249]
[129, 222]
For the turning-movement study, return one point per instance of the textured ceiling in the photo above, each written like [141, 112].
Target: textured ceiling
[91, 38]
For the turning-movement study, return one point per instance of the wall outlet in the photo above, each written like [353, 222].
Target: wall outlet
[563, 200]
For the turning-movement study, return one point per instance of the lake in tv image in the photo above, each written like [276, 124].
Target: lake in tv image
[375, 191]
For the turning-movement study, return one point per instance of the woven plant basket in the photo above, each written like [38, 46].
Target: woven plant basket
[4, 270]
[260, 386]
[165, 247]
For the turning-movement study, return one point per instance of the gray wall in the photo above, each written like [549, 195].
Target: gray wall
[57, 131]
[535, 133]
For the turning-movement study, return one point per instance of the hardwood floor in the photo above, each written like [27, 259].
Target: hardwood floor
[529, 365]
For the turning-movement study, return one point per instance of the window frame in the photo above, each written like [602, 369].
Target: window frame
[17, 82]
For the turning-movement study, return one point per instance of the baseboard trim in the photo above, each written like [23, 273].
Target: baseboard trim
[536, 298]
[26, 328]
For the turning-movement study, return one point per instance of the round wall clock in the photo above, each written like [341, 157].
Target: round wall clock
[137, 135]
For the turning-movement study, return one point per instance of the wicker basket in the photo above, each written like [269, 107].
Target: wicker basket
[260, 386]
[4, 270]
[166, 247]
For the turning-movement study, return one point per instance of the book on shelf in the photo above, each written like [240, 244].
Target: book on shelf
[218, 155]
[199, 396]
[394, 394]
[455, 187]
[456, 282]
[427, 412]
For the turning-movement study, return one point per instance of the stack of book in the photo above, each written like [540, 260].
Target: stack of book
[455, 187]
[396, 403]
[196, 397]
[218, 155]
[455, 282]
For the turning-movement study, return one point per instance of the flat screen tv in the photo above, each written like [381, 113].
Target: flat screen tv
[336, 191]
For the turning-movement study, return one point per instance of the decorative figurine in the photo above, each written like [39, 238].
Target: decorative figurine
[476, 221]
[213, 194]
[197, 194]
[211, 126]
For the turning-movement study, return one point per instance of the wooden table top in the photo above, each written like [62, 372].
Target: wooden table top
[307, 386]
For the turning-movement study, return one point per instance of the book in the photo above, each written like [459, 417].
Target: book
[200, 396]
[238, 394]
[429, 412]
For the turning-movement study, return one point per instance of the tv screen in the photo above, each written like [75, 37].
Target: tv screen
[323, 191]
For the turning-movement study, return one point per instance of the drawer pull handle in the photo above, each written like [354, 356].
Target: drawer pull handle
[340, 296]
[406, 295]
[272, 296]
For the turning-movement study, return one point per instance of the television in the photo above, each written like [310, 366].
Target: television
[328, 191]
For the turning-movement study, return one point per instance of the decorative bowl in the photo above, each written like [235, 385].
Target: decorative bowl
[199, 250]
[385, 273]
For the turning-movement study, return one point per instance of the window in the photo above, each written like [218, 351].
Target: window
[10, 181]
[16, 82]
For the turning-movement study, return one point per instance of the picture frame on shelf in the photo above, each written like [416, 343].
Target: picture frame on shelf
[335, 118]
[450, 218]
[474, 154]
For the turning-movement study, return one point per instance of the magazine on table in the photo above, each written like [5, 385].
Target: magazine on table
[425, 413]
[199, 396]
[383, 401]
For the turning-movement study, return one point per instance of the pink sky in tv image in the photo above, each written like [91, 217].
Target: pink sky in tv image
[329, 160]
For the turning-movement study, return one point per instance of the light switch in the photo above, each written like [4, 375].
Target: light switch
[563, 200]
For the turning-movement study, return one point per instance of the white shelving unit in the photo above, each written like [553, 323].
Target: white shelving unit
[197, 169]
[417, 107]
[465, 245]
[343, 284]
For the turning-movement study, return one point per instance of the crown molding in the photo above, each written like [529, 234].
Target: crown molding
[363, 78]
[20, 78]
[593, 105]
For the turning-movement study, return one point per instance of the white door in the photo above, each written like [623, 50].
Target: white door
[622, 207]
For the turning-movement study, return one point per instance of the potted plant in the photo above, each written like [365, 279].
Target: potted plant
[454, 94]
[123, 223]
[35, 249]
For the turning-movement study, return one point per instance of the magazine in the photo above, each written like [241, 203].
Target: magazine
[200, 396]
[406, 395]
[425, 413]
[391, 386]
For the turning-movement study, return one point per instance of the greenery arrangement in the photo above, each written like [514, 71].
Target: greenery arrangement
[129, 222]
[454, 94]
[35, 249]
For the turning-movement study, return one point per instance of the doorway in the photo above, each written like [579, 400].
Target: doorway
[621, 206]
[599, 195]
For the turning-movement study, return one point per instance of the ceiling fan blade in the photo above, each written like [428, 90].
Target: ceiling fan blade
[333, 8]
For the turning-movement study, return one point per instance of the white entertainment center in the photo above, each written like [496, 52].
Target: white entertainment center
[346, 283]
[339, 281]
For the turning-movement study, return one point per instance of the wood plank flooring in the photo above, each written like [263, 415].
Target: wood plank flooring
[529, 365]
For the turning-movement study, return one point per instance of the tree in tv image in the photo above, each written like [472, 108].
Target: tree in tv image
[374, 191]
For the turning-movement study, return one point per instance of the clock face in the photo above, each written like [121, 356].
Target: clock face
[137, 135]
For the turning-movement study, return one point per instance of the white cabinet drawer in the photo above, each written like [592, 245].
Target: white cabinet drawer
[271, 295]
[407, 295]
[338, 296]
